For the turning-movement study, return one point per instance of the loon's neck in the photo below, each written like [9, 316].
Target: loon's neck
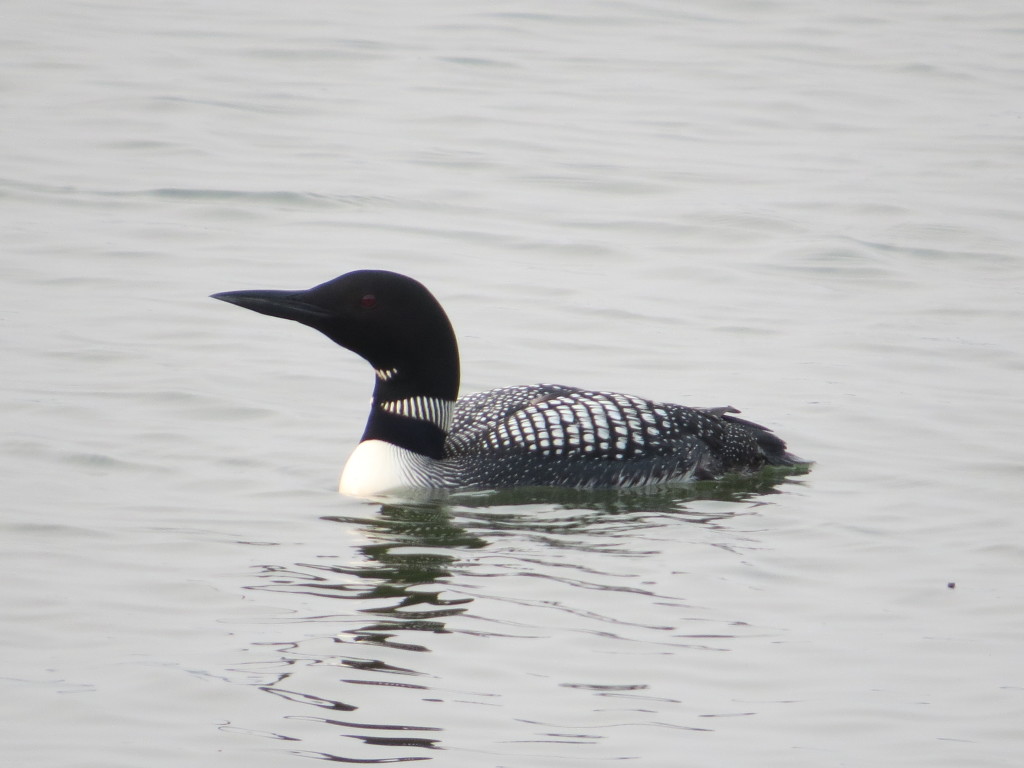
[403, 440]
[416, 421]
[414, 396]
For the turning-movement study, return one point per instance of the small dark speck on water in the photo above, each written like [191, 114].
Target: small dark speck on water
[951, 585]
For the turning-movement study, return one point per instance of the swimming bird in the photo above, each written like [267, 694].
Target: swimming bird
[420, 434]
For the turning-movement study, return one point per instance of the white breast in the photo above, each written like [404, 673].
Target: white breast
[376, 467]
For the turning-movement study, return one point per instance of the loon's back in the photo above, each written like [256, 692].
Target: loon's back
[547, 434]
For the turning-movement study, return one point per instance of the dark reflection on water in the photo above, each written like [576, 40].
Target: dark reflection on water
[399, 585]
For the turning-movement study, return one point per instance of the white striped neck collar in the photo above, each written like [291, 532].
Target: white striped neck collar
[434, 410]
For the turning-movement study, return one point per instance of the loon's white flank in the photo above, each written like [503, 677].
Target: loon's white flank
[377, 467]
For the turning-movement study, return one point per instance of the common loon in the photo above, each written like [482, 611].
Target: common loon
[421, 435]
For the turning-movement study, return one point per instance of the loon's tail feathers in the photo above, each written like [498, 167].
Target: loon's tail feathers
[772, 446]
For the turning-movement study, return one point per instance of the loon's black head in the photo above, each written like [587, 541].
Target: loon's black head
[390, 320]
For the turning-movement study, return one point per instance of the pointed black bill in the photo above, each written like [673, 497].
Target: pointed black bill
[291, 305]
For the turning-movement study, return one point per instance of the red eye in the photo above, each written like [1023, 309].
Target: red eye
[369, 301]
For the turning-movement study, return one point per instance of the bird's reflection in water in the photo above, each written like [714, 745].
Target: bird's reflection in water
[400, 583]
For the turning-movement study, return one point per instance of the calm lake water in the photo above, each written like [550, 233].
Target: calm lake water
[807, 211]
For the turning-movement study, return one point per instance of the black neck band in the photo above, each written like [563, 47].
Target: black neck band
[419, 436]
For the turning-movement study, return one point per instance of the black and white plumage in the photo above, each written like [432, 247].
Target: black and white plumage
[419, 435]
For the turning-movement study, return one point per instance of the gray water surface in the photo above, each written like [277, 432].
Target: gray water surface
[808, 212]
